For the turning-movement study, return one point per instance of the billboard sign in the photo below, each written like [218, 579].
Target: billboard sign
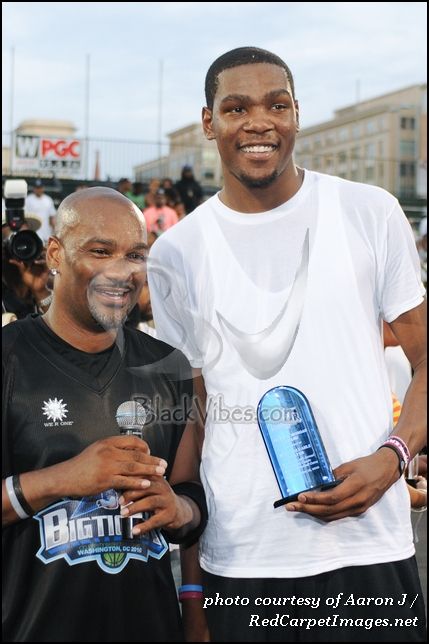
[42, 154]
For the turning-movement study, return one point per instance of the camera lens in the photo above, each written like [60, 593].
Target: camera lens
[26, 245]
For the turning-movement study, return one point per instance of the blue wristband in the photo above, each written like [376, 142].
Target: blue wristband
[190, 588]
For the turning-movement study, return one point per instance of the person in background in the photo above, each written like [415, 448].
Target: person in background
[137, 195]
[189, 189]
[160, 217]
[171, 193]
[124, 186]
[40, 205]
[399, 372]
[154, 186]
[26, 286]
[179, 207]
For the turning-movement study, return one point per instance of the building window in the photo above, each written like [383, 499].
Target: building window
[407, 169]
[371, 127]
[369, 173]
[329, 164]
[370, 151]
[408, 123]
[342, 157]
[407, 148]
[330, 138]
[343, 134]
[356, 131]
[382, 123]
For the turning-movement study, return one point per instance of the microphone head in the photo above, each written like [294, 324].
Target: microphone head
[131, 417]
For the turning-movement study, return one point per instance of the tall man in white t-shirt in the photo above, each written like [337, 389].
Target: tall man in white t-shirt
[283, 278]
[42, 206]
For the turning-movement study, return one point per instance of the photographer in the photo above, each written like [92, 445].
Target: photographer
[24, 286]
[24, 271]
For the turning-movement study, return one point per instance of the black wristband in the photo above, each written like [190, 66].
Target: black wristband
[194, 491]
[20, 495]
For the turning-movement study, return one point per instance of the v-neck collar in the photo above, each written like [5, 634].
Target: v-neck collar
[37, 329]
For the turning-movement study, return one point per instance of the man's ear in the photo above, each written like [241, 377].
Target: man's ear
[207, 117]
[53, 253]
[297, 115]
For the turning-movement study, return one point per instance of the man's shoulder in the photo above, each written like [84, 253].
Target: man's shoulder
[361, 192]
[157, 355]
[185, 233]
[13, 334]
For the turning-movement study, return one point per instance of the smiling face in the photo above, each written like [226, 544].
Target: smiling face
[254, 122]
[101, 261]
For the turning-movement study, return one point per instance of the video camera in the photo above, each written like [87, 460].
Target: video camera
[24, 245]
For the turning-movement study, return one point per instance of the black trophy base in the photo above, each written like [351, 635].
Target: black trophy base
[293, 497]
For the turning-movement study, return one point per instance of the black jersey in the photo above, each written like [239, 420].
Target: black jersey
[68, 573]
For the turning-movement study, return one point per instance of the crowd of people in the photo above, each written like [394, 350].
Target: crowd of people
[164, 203]
[282, 278]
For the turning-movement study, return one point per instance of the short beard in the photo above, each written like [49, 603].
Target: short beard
[108, 322]
[263, 182]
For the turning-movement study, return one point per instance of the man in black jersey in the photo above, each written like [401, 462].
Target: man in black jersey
[70, 481]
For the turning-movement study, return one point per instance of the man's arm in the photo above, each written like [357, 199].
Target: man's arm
[120, 462]
[366, 479]
[410, 330]
[193, 614]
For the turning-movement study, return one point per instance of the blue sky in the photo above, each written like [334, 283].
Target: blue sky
[331, 47]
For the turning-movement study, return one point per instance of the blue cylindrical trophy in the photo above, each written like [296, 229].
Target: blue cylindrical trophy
[293, 443]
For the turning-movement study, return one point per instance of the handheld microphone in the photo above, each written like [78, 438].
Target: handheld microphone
[131, 417]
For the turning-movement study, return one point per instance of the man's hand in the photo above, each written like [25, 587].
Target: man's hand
[364, 481]
[34, 276]
[170, 511]
[119, 462]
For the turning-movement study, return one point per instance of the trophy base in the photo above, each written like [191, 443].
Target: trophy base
[293, 497]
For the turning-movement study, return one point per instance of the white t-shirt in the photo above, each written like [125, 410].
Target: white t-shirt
[237, 293]
[43, 207]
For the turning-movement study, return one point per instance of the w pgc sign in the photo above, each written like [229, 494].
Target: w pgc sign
[46, 154]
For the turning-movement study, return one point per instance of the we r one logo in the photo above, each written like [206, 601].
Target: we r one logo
[59, 148]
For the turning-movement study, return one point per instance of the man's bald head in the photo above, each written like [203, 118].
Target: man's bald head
[99, 255]
[74, 208]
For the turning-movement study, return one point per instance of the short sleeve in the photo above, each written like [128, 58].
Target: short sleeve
[172, 301]
[401, 288]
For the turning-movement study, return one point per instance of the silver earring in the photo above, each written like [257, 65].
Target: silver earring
[53, 271]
